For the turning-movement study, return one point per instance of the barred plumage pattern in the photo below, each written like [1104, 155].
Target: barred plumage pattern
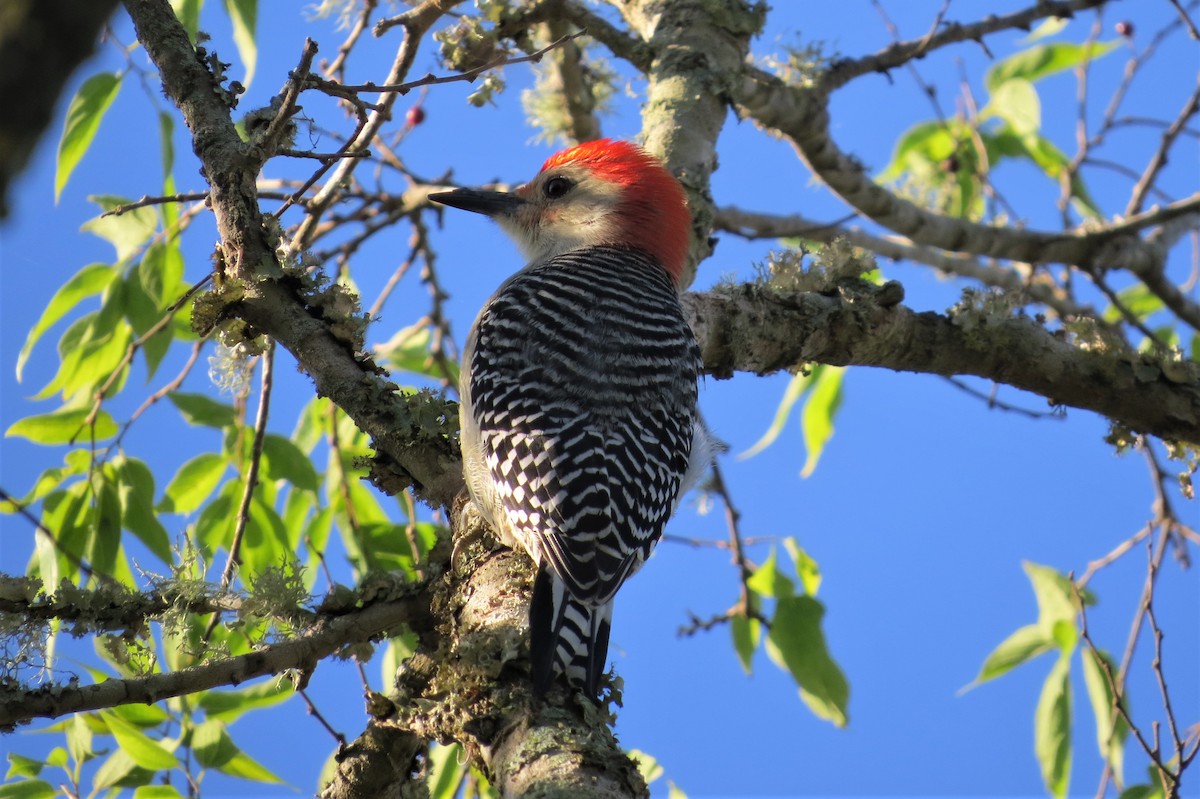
[579, 419]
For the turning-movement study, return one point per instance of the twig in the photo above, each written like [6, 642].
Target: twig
[1159, 159]
[715, 543]
[290, 153]
[134, 346]
[312, 711]
[1116, 553]
[277, 130]
[169, 388]
[416, 22]
[1187, 21]
[146, 200]
[468, 76]
[78, 562]
[901, 53]
[1059, 412]
[303, 652]
[335, 70]
[260, 432]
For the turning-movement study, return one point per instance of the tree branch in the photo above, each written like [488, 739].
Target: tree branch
[901, 53]
[475, 671]
[802, 115]
[698, 46]
[755, 329]
[304, 652]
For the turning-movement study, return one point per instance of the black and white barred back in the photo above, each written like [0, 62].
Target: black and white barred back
[582, 385]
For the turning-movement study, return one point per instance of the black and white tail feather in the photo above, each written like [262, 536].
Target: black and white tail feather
[580, 434]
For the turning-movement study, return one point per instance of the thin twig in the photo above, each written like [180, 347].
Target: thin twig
[311, 709]
[1187, 21]
[260, 432]
[1159, 159]
[1058, 413]
[78, 562]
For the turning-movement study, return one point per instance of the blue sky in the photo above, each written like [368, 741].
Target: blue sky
[920, 513]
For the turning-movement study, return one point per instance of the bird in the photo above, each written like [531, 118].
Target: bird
[580, 430]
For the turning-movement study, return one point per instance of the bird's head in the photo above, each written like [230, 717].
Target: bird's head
[602, 192]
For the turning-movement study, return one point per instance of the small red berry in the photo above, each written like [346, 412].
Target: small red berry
[415, 116]
[1124, 28]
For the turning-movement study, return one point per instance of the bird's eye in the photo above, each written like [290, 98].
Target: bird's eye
[557, 187]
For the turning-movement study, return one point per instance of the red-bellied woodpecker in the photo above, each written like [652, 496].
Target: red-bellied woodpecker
[580, 431]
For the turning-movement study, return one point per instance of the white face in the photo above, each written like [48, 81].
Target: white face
[565, 208]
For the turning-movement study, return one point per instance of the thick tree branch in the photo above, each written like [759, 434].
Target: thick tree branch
[698, 46]
[304, 652]
[470, 683]
[769, 226]
[377, 765]
[274, 307]
[755, 329]
[802, 115]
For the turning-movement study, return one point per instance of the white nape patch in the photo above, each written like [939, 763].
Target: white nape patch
[584, 217]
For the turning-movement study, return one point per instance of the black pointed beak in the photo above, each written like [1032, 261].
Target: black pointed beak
[481, 201]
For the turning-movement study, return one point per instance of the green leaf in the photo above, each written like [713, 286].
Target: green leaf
[1142, 792]
[445, 771]
[27, 789]
[285, 461]
[60, 427]
[1055, 599]
[212, 744]
[266, 542]
[243, 14]
[247, 768]
[199, 409]
[1052, 729]
[1016, 102]
[1046, 59]
[136, 488]
[21, 766]
[747, 634]
[126, 232]
[157, 792]
[1051, 26]
[91, 349]
[806, 568]
[119, 769]
[228, 706]
[817, 419]
[150, 287]
[1111, 729]
[796, 643]
[408, 351]
[193, 483]
[797, 386]
[142, 750]
[921, 149]
[105, 535]
[214, 527]
[84, 113]
[1138, 300]
[1026, 643]
[769, 581]
[188, 12]
[89, 281]
[647, 765]
[79, 738]
[142, 716]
